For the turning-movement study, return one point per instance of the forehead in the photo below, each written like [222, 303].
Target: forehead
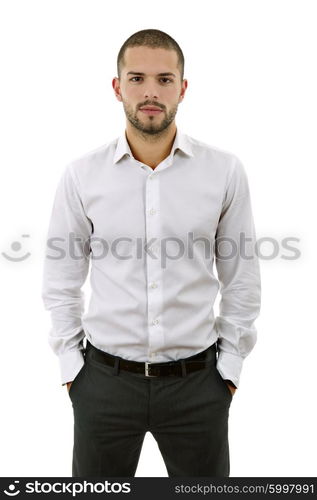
[150, 60]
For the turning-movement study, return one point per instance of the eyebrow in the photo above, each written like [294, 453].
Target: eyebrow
[142, 74]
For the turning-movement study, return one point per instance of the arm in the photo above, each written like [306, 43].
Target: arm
[239, 276]
[66, 265]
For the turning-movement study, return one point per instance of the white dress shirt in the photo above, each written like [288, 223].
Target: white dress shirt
[152, 237]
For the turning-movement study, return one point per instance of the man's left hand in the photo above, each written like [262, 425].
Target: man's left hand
[232, 389]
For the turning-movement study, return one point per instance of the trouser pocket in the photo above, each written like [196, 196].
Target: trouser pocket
[76, 380]
[223, 383]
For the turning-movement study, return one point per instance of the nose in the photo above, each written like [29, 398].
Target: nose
[151, 92]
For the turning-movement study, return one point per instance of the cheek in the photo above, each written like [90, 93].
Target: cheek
[130, 102]
[133, 98]
[172, 97]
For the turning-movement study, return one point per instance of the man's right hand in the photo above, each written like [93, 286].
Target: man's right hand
[68, 385]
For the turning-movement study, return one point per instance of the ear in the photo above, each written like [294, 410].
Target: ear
[116, 88]
[183, 90]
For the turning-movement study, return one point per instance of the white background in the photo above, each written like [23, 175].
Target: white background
[251, 69]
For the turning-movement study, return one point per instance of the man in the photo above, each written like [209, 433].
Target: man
[152, 211]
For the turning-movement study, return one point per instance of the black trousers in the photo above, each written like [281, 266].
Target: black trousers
[187, 415]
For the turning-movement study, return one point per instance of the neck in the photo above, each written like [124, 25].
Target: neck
[150, 149]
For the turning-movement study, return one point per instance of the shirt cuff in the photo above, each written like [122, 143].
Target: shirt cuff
[70, 364]
[229, 366]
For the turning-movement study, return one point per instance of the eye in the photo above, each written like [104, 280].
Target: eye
[166, 80]
[134, 77]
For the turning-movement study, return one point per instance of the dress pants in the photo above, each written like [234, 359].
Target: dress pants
[187, 415]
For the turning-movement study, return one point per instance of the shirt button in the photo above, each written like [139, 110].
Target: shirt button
[152, 211]
[151, 177]
[155, 322]
[153, 285]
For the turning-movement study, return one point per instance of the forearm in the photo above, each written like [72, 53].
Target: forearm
[66, 266]
[239, 276]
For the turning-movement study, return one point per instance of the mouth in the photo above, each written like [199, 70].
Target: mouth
[151, 110]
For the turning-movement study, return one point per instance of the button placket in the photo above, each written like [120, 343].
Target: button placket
[153, 263]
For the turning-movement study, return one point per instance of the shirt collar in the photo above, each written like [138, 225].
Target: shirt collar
[181, 142]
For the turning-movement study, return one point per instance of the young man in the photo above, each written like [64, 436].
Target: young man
[152, 211]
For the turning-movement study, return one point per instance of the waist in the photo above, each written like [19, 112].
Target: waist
[177, 367]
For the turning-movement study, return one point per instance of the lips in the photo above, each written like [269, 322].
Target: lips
[151, 110]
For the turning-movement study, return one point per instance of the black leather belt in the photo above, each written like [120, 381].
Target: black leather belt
[179, 367]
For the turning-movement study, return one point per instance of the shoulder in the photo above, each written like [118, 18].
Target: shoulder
[83, 167]
[216, 157]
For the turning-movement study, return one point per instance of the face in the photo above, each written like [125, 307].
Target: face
[150, 78]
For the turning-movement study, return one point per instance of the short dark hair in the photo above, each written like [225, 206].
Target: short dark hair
[155, 39]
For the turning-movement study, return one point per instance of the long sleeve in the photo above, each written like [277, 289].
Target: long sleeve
[238, 274]
[65, 269]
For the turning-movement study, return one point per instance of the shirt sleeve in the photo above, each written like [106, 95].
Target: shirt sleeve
[238, 272]
[65, 269]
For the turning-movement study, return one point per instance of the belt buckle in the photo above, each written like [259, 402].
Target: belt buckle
[146, 370]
